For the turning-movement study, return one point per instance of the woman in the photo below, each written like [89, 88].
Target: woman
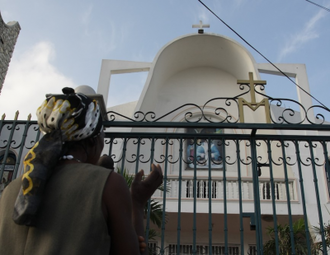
[66, 204]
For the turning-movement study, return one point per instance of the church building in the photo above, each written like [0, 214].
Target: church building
[200, 115]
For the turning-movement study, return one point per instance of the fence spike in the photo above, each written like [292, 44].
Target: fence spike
[16, 115]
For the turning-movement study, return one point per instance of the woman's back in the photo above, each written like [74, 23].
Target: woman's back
[70, 220]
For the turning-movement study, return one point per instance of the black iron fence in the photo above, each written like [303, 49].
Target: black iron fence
[229, 187]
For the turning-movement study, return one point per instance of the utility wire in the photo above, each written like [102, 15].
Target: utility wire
[323, 7]
[263, 55]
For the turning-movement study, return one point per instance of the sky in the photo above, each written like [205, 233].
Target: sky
[62, 43]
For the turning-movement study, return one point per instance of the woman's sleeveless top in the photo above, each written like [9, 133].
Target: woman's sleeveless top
[70, 220]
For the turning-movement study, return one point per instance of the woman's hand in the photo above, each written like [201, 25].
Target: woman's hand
[142, 190]
[142, 244]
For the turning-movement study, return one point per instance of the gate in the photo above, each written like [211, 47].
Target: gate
[229, 187]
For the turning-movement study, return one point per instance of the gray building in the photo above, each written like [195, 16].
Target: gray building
[8, 37]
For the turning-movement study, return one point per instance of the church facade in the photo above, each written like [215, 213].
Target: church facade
[231, 170]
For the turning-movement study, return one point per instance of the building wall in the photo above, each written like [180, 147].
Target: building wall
[192, 70]
[8, 37]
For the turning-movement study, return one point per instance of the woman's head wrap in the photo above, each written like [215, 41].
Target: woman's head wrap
[62, 118]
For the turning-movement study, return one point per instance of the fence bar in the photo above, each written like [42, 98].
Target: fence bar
[123, 156]
[257, 210]
[195, 196]
[179, 198]
[209, 184]
[164, 193]
[303, 199]
[269, 152]
[238, 155]
[317, 195]
[288, 197]
[225, 196]
[152, 151]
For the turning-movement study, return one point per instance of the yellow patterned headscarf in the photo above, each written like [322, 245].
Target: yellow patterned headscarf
[62, 118]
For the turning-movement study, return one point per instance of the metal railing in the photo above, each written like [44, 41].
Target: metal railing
[225, 185]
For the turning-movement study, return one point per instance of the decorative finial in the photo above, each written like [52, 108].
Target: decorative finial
[16, 115]
[201, 26]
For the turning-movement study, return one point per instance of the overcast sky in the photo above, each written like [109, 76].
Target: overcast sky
[62, 43]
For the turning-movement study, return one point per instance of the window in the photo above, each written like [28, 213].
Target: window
[152, 246]
[202, 249]
[202, 152]
[252, 250]
[202, 189]
[267, 191]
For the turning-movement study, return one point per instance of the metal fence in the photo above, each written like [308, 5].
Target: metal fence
[229, 188]
[255, 192]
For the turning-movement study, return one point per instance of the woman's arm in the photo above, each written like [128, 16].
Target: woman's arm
[124, 211]
[141, 191]
[118, 207]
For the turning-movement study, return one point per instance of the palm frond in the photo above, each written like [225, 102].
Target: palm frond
[156, 212]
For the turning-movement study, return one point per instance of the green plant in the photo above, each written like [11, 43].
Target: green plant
[318, 246]
[284, 239]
